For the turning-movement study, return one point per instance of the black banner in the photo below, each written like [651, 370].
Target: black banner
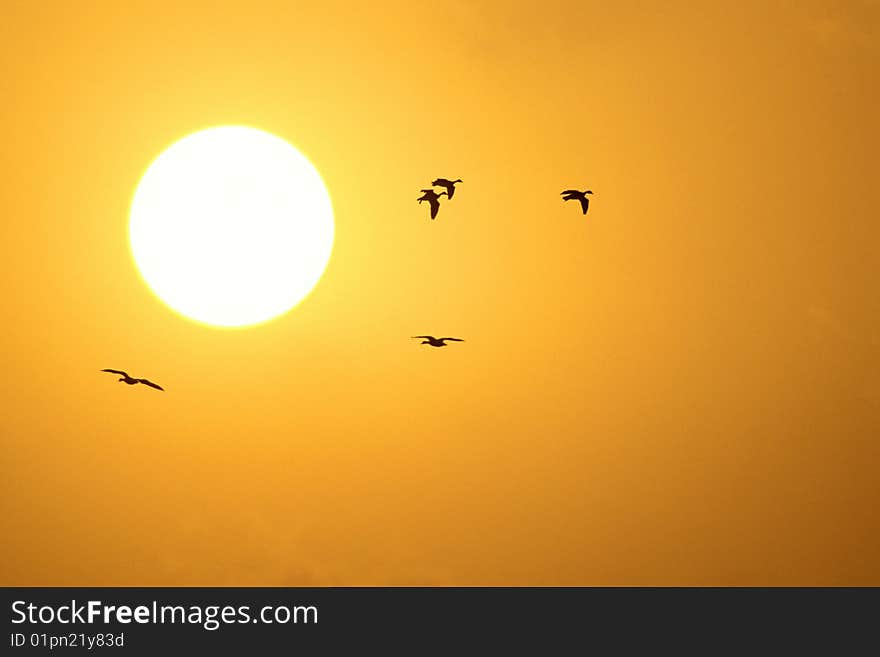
[417, 620]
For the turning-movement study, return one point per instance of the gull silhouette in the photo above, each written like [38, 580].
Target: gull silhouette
[449, 185]
[436, 342]
[132, 381]
[570, 194]
[433, 198]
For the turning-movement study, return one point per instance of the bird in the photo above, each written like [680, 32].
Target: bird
[570, 194]
[132, 381]
[436, 342]
[448, 184]
[433, 198]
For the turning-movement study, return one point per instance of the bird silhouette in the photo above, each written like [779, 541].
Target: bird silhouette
[570, 194]
[449, 185]
[436, 342]
[433, 198]
[132, 381]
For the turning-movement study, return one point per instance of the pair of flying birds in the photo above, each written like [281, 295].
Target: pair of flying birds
[130, 380]
[433, 198]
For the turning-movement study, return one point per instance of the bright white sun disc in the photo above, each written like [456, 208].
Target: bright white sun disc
[231, 226]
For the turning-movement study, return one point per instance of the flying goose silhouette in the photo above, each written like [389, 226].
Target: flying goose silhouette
[449, 185]
[570, 194]
[132, 381]
[433, 198]
[436, 342]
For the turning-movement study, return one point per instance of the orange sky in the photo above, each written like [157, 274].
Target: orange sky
[682, 388]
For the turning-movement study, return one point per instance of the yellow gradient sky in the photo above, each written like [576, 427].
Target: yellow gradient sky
[681, 388]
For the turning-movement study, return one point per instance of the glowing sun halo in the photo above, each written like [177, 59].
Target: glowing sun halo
[231, 226]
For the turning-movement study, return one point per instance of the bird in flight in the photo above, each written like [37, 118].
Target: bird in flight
[433, 198]
[449, 185]
[131, 380]
[570, 194]
[436, 342]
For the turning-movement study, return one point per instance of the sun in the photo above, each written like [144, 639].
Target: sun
[231, 226]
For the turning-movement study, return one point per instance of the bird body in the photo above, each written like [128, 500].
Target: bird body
[130, 380]
[436, 342]
[433, 198]
[449, 185]
[571, 194]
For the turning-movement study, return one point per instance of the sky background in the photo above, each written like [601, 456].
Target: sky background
[681, 388]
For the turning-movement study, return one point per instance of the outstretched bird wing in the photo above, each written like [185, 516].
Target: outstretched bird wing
[151, 384]
[116, 372]
[450, 190]
[435, 206]
[440, 182]
[571, 191]
[585, 203]
[451, 340]
[426, 337]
